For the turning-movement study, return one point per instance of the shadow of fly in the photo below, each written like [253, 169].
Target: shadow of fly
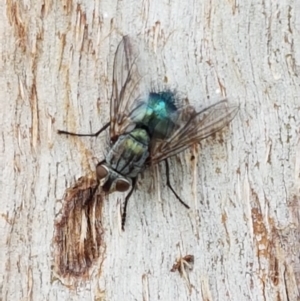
[146, 128]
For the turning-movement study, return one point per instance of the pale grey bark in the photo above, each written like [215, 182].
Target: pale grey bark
[243, 187]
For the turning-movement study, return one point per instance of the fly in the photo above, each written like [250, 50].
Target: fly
[148, 127]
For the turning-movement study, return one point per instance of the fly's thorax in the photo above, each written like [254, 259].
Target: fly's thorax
[128, 155]
[140, 135]
[111, 180]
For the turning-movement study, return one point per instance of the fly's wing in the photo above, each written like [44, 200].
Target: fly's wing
[192, 127]
[128, 84]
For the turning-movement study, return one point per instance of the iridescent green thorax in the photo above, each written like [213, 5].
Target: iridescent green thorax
[135, 144]
[141, 136]
[157, 114]
[129, 153]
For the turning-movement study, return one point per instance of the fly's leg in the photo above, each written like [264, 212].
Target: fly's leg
[126, 202]
[92, 194]
[84, 135]
[169, 185]
[93, 190]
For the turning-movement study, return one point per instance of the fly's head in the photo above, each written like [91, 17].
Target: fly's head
[111, 180]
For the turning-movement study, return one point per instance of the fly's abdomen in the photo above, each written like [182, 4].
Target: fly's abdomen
[158, 113]
[129, 153]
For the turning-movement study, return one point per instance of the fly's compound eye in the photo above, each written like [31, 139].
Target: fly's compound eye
[122, 185]
[102, 172]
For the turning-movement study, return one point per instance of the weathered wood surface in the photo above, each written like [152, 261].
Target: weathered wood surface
[243, 188]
